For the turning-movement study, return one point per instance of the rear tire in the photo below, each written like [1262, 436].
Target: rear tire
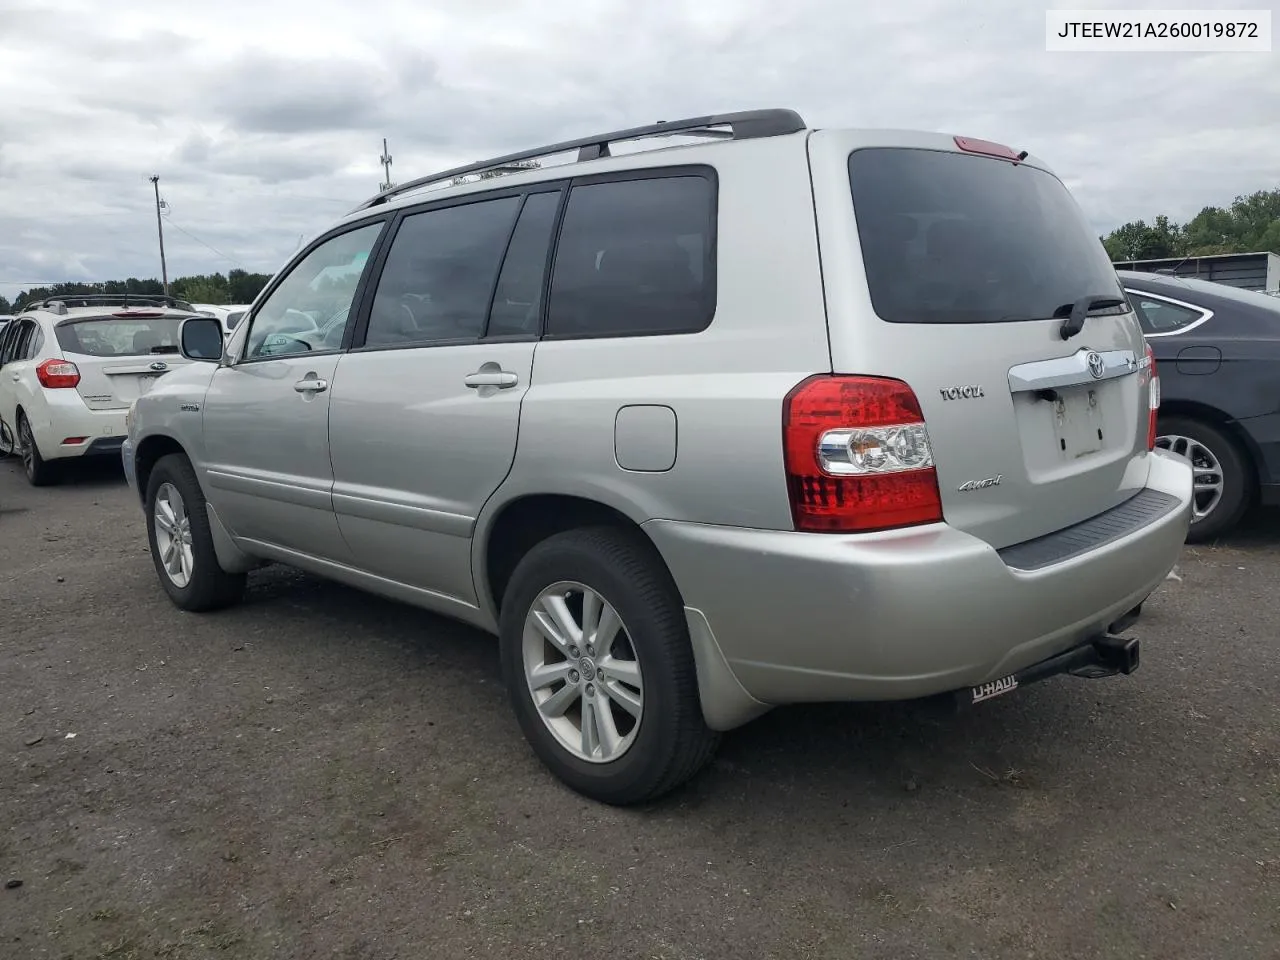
[659, 738]
[1227, 487]
[40, 472]
[181, 541]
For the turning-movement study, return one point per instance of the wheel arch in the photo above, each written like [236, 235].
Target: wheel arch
[148, 453]
[1230, 427]
[509, 529]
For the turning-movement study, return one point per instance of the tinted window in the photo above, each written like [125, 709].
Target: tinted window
[517, 303]
[951, 238]
[309, 309]
[635, 257]
[8, 340]
[26, 336]
[440, 273]
[119, 336]
[1160, 316]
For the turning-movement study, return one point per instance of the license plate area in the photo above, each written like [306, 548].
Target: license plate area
[1079, 421]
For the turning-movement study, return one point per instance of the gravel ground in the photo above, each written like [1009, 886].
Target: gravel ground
[319, 773]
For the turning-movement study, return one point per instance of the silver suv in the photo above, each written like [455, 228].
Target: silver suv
[762, 415]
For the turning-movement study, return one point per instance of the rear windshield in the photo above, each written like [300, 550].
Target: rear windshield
[120, 336]
[951, 238]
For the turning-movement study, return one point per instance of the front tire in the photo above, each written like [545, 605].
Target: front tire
[181, 541]
[597, 662]
[1223, 479]
[39, 471]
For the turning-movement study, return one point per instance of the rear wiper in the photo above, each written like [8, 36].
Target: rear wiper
[1076, 312]
[163, 349]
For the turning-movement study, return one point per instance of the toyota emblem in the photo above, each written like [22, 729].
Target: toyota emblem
[1096, 369]
[161, 365]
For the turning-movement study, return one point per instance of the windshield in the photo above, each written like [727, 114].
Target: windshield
[119, 336]
[951, 238]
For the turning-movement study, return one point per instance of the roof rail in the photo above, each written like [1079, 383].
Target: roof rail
[59, 304]
[744, 125]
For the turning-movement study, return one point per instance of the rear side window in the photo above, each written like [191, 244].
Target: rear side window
[119, 336]
[517, 302]
[440, 273]
[1160, 316]
[635, 258]
[951, 238]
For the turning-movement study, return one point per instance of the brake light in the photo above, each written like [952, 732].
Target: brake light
[857, 456]
[138, 313]
[989, 149]
[57, 374]
[1153, 392]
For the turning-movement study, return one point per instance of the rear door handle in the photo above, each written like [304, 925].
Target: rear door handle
[502, 379]
[311, 386]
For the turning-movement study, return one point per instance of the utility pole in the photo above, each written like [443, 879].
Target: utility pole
[164, 270]
[385, 160]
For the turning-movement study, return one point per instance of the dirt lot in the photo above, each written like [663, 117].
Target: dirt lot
[319, 773]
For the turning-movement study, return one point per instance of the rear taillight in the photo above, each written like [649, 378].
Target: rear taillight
[857, 456]
[1153, 392]
[57, 374]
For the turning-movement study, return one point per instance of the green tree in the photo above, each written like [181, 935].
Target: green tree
[1250, 225]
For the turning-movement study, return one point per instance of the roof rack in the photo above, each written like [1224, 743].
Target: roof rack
[744, 125]
[59, 304]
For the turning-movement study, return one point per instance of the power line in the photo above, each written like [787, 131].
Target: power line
[207, 246]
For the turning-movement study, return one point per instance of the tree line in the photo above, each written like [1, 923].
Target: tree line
[235, 286]
[1249, 225]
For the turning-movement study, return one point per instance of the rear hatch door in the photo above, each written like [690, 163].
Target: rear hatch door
[120, 356]
[956, 272]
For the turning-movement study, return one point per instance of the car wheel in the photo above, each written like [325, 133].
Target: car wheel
[39, 471]
[1223, 482]
[597, 662]
[181, 542]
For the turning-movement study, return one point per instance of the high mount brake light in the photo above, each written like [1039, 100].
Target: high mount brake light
[989, 149]
[857, 456]
[58, 374]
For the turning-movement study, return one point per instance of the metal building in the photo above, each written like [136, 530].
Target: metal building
[1249, 271]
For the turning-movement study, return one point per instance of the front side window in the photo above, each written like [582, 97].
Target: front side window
[309, 310]
[1160, 316]
[439, 274]
[635, 258]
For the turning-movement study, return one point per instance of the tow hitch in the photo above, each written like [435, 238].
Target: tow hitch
[1104, 656]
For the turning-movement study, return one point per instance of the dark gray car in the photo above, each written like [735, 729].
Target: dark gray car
[1217, 349]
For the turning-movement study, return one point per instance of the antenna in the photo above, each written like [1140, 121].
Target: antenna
[385, 160]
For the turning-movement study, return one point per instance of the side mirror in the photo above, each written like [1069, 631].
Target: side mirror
[201, 338]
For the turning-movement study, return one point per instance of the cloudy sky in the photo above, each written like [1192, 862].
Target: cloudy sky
[265, 119]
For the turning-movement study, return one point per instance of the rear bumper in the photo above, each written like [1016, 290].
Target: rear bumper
[807, 617]
[64, 416]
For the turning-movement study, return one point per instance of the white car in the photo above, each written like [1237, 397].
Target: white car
[229, 314]
[70, 368]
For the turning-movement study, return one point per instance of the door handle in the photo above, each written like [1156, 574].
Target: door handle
[502, 379]
[311, 385]
[16, 377]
